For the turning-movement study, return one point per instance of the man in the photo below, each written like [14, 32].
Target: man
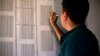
[78, 41]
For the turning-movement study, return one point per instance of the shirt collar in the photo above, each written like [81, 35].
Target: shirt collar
[64, 36]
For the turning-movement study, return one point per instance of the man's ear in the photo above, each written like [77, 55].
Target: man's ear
[65, 15]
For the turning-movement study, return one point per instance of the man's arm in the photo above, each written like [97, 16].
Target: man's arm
[57, 30]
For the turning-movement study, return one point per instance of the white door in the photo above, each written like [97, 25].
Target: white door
[25, 29]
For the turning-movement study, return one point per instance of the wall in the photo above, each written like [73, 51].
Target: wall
[93, 19]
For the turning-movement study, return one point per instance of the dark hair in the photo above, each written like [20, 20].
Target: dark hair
[76, 9]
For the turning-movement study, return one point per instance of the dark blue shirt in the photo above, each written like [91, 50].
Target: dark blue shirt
[79, 42]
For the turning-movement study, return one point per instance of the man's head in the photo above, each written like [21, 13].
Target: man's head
[74, 10]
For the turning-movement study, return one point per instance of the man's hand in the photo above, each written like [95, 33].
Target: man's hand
[52, 18]
[54, 25]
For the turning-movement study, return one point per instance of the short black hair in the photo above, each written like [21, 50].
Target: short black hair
[76, 9]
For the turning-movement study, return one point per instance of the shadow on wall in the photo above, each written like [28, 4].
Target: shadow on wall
[93, 19]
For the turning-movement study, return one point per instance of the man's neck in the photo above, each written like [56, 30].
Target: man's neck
[70, 25]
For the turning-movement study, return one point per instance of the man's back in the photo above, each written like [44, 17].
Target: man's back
[79, 42]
